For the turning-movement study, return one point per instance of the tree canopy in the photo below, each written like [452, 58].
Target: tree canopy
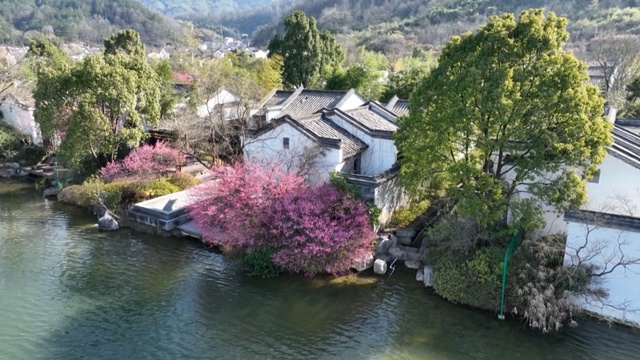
[506, 109]
[96, 105]
[305, 51]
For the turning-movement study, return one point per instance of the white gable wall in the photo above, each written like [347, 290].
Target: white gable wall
[352, 102]
[268, 147]
[222, 97]
[622, 284]
[380, 155]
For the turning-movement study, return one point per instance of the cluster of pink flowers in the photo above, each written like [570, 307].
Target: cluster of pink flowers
[144, 162]
[313, 229]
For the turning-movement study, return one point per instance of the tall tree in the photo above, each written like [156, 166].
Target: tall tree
[506, 109]
[618, 57]
[97, 105]
[304, 50]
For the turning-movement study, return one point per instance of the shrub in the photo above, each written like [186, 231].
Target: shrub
[259, 263]
[76, 195]
[9, 142]
[155, 188]
[476, 282]
[183, 180]
[34, 155]
[145, 162]
[405, 216]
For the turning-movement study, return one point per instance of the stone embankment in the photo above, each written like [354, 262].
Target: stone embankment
[400, 248]
[11, 170]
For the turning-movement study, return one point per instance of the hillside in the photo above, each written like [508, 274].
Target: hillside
[392, 25]
[203, 7]
[81, 20]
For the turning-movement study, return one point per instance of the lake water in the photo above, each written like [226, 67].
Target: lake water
[68, 291]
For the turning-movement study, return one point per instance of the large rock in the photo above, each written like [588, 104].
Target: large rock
[408, 232]
[384, 243]
[7, 173]
[412, 254]
[52, 191]
[365, 263]
[427, 273]
[107, 223]
[420, 275]
[397, 252]
[380, 267]
[412, 264]
[14, 166]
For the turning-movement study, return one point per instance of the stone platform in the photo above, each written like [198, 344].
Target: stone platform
[164, 213]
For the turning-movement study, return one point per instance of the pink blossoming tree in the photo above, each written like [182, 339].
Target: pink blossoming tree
[309, 229]
[319, 230]
[145, 162]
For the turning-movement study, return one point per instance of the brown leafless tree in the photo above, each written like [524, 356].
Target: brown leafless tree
[618, 58]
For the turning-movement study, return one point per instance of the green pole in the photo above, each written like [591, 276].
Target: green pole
[507, 255]
[57, 179]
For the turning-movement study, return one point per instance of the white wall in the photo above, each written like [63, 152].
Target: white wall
[21, 119]
[618, 189]
[222, 97]
[622, 284]
[268, 147]
[380, 155]
[352, 102]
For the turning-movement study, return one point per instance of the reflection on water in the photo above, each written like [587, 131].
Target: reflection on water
[68, 291]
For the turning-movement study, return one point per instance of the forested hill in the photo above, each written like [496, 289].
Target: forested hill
[187, 7]
[81, 20]
[390, 24]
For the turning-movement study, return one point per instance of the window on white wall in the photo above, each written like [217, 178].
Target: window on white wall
[285, 143]
[596, 177]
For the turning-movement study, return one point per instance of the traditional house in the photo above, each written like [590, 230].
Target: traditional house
[318, 131]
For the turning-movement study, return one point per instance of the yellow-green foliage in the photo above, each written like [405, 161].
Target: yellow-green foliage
[405, 216]
[183, 180]
[75, 194]
[155, 188]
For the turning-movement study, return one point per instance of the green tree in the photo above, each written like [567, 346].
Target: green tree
[167, 96]
[97, 105]
[506, 107]
[305, 51]
[364, 74]
[410, 71]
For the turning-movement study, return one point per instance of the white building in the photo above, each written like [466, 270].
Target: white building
[19, 115]
[606, 230]
[320, 131]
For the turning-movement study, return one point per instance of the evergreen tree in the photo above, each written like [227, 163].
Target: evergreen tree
[305, 51]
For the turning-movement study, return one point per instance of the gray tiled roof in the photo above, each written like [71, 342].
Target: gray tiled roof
[324, 128]
[311, 101]
[278, 98]
[371, 120]
[400, 108]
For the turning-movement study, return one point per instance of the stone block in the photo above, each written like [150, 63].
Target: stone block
[420, 275]
[404, 240]
[412, 264]
[7, 173]
[14, 166]
[380, 267]
[397, 252]
[384, 244]
[405, 232]
[52, 191]
[108, 223]
[412, 253]
[427, 273]
[365, 263]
